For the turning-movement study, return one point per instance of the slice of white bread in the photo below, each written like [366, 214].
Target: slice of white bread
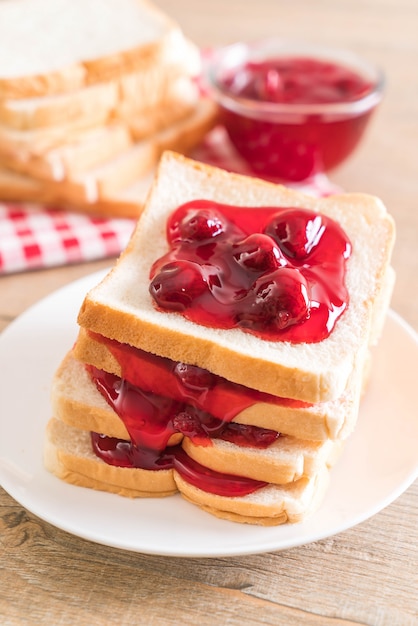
[81, 151]
[147, 87]
[121, 308]
[77, 402]
[270, 506]
[62, 151]
[68, 455]
[334, 419]
[68, 44]
[285, 461]
[126, 203]
[118, 186]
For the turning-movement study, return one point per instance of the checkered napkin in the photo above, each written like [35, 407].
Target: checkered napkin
[36, 237]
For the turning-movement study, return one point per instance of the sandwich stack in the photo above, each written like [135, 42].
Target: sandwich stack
[90, 96]
[225, 355]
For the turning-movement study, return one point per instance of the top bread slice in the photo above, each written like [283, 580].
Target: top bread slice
[121, 308]
[69, 45]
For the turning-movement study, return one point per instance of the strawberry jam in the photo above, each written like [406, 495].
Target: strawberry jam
[188, 383]
[275, 272]
[151, 420]
[122, 453]
[291, 116]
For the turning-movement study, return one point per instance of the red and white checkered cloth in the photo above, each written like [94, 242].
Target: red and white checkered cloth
[35, 237]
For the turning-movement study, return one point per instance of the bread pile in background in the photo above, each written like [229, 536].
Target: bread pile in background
[91, 93]
[309, 392]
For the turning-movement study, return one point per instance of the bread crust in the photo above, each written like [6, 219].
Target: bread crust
[86, 470]
[86, 68]
[121, 308]
[67, 455]
[328, 420]
[285, 461]
[269, 506]
[101, 189]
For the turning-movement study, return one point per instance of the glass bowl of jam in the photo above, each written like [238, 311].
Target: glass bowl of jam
[293, 110]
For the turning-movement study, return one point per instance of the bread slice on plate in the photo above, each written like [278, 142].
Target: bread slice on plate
[121, 306]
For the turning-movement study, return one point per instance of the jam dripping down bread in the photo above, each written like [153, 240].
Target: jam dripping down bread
[176, 394]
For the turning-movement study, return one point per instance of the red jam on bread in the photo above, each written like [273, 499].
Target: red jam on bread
[275, 272]
[151, 420]
[157, 398]
[295, 144]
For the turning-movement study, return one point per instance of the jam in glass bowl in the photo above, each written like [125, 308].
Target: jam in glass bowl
[293, 110]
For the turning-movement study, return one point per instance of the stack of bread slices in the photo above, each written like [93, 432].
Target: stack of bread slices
[90, 95]
[130, 397]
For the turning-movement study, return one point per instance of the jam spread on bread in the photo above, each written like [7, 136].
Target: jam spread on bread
[122, 453]
[278, 273]
[295, 144]
[151, 420]
[188, 383]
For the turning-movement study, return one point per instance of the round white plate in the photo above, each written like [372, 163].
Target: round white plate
[379, 462]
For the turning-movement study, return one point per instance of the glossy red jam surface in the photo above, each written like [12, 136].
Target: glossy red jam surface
[296, 146]
[190, 384]
[278, 273]
[123, 454]
[298, 80]
[151, 420]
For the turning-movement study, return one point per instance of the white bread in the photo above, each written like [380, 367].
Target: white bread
[269, 506]
[140, 158]
[117, 186]
[121, 307]
[60, 45]
[76, 401]
[334, 419]
[68, 454]
[60, 152]
[80, 152]
[126, 94]
[285, 461]
[126, 203]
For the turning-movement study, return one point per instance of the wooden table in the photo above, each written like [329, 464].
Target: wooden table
[366, 575]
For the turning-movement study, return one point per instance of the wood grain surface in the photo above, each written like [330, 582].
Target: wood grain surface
[366, 575]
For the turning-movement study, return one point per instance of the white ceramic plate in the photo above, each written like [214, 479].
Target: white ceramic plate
[379, 462]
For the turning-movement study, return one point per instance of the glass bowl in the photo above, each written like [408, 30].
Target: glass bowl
[293, 110]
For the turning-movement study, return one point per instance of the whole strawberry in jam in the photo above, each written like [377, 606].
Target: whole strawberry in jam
[277, 300]
[177, 285]
[258, 252]
[193, 378]
[297, 234]
[198, 224]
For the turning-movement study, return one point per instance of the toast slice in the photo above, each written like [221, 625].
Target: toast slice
[121, 307]
[76, 50]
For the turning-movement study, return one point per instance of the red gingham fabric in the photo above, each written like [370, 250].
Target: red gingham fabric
[35, 237]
